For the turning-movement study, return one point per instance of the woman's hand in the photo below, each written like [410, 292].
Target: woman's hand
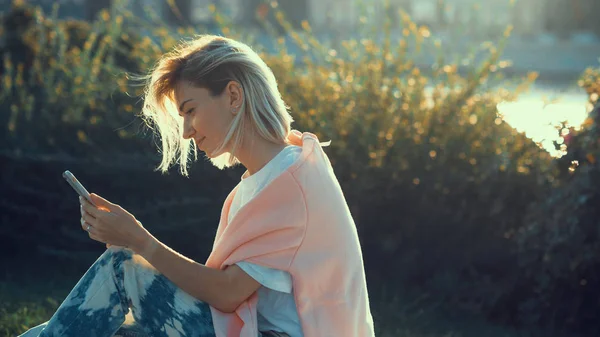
[111, 224]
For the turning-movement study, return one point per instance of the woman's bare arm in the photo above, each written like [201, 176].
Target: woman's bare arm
[225, 289]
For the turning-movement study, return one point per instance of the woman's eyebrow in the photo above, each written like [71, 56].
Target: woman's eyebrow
[183, 104]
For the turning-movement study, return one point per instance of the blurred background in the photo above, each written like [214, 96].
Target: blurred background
[464, 135]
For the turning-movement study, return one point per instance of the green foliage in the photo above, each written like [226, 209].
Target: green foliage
[438, 183]
[560, 248]
[65, 76]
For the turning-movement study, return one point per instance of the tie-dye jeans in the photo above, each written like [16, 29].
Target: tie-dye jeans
[120, 280]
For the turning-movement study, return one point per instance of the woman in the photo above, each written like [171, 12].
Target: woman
[286, 260]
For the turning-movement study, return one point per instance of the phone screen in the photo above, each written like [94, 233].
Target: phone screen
[70, 178]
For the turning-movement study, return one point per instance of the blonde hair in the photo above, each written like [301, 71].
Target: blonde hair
[211, 62]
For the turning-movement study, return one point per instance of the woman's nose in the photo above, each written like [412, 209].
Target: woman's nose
[188, 130]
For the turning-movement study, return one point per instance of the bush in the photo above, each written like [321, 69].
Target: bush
[67, 67]
[559, 249]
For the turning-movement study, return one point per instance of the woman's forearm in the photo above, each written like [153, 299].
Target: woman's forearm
[204, 283]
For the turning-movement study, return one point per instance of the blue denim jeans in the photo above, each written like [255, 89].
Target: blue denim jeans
[120, 280]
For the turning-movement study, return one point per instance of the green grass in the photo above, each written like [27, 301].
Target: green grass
[32, 290]
[28, 304]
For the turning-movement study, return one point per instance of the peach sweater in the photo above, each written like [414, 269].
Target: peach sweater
[299, 223]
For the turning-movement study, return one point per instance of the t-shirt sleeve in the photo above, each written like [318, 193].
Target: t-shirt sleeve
[275, 279]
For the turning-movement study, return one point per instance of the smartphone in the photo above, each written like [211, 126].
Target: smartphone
[70, 178]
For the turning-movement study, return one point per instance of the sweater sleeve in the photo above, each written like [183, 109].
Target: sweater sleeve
[271, 278]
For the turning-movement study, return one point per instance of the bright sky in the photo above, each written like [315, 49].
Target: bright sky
[530, 114]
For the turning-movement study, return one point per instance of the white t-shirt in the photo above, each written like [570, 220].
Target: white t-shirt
[276, 307]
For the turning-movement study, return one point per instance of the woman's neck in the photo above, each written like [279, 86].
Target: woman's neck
[255, 152]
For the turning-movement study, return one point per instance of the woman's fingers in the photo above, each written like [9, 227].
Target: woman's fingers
[85, 225]
[91, 209]
[88, 219]
[83, 212]
[92, 232]
[97, 212]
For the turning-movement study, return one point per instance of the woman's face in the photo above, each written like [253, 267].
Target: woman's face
[206, 119]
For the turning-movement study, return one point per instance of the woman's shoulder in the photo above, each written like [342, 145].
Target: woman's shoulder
[291, 154]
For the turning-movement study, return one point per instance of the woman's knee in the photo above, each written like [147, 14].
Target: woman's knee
[125, 258]
[119, 254]
[116, 256]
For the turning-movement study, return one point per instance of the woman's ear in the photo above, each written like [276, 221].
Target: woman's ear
[236, 96]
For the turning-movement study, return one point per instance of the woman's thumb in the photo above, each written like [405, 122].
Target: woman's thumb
[101, 202]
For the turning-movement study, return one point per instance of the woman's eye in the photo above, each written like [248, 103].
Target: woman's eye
[189, 111]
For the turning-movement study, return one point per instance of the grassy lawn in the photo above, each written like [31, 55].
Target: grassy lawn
[32, 290]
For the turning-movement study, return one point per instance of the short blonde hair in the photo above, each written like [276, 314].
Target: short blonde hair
[211, 62]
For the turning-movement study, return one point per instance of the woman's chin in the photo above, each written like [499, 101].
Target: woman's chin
[210, 154]
[207, 153]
